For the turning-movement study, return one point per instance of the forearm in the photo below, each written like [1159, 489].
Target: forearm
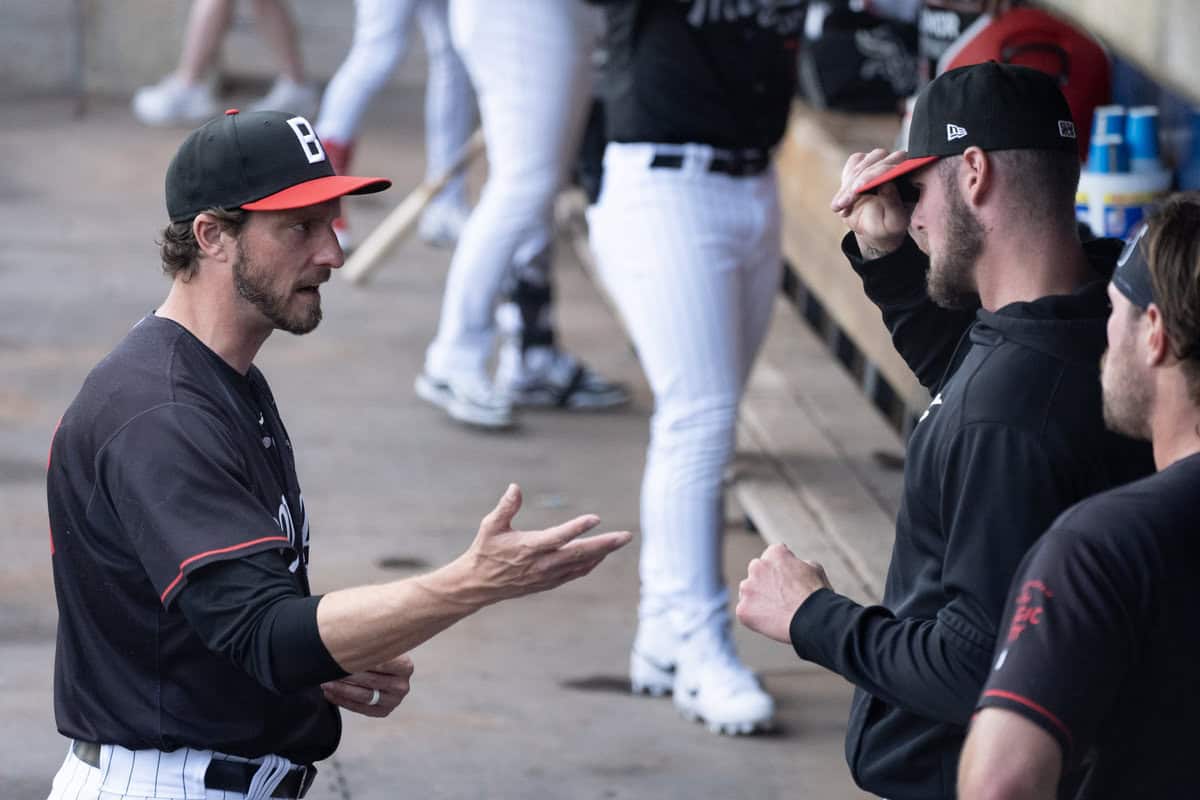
[1008, 758]
[367, 625]
[918, 665]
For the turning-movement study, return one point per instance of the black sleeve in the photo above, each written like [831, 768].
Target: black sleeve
[1000, 493]
[175, 478]
[249, 610]
[1071, 598]
[923, 333]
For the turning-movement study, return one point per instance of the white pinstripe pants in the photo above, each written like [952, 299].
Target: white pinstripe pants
[381, 31]
[139, 775]
[529, 63]
[692, 259]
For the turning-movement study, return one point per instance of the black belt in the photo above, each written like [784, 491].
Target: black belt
[228, 776]
[738, 163]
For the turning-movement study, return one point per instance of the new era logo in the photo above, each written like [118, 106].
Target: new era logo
[1066, 129]
[954, 132]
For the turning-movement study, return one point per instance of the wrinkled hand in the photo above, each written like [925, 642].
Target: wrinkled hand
[878, 219]
[504, 562]
[354, 691]
[777, 583]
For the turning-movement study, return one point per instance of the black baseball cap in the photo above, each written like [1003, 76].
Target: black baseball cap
[992, 106]
[259, 161]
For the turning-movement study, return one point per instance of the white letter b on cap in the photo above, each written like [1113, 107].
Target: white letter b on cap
[308, 139]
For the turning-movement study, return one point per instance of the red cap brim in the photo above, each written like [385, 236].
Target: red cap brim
[903, 168]
[318, 190]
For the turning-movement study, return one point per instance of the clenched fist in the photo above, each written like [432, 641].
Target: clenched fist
[776, 584]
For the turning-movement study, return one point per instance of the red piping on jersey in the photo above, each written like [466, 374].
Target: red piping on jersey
[1025, 701]
[208, 553]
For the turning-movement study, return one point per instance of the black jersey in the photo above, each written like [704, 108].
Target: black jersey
[1102, 647]
[696, 71]
[169, 460]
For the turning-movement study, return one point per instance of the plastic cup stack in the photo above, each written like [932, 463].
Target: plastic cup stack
[1108, 154]
[1124, 176]
[1141, 133]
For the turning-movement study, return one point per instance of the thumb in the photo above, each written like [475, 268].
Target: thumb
[501, 517]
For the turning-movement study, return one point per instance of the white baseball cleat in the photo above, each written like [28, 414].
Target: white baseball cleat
[173, 102]
[653, 657]
[714, 687]
[470, 400]
[545, 377]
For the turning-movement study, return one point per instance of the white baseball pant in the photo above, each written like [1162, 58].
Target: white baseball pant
[529, 63]
[154, 775]
[692, 259]
[381, 30]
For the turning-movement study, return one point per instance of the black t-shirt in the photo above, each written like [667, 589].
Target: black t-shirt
[693, 71]
[1103, 642]
[169, 461]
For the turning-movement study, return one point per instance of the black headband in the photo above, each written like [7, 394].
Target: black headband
[1132, 275]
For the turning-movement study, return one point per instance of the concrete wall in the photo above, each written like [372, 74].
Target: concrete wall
[114, 46]
[38, 46]
[1159, 36]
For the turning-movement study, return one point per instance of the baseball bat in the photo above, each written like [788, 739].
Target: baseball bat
[401, 220]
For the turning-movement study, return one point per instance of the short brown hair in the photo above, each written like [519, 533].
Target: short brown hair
[179, 247]
[1045, 181]
[1172, 245]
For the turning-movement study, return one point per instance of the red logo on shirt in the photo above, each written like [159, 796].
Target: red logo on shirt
[1030, 605]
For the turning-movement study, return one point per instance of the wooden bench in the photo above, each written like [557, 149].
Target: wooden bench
[818, 468]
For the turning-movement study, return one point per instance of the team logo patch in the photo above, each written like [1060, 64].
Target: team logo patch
[1066, 129]
[954, 132]
[309, 142]
[1031, 606]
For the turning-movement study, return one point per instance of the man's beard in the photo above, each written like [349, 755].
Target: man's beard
[254, 285]
[951, 279]
[1127, 396]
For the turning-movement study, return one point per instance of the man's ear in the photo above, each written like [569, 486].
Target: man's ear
[208, 231]
[975, 176]
[1158, 346]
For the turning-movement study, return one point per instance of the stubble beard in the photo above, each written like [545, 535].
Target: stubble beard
[951, 279]
[1126, 397]
[253, 285]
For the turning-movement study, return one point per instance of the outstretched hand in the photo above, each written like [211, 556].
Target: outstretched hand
[777, 583]
[505, 562]
[880, 219]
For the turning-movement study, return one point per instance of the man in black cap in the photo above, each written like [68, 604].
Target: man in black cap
[192, 657]
[1093, 688]
[968, 245]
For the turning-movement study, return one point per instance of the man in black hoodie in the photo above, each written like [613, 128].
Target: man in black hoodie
[968, 244]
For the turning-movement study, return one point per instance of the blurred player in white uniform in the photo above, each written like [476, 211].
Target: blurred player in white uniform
[381, 35]
[529, 63]
[687, 240]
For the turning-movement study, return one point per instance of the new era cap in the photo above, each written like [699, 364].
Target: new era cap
[991, 106]
[259, 161]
